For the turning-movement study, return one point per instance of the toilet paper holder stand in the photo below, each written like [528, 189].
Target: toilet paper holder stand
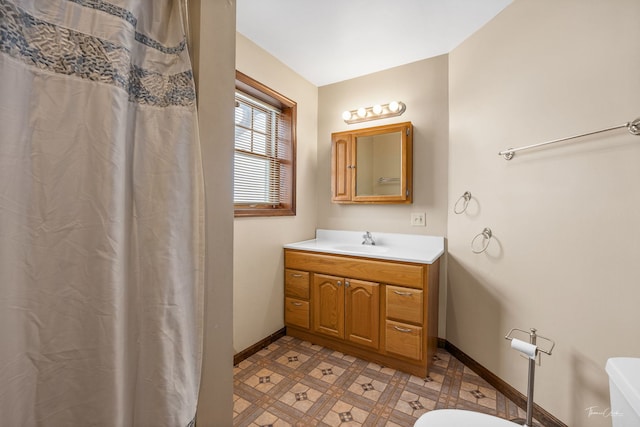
[533, 339]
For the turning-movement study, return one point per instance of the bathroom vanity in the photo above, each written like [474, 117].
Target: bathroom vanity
[377, 302]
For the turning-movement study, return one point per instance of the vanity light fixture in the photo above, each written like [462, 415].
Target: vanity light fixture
[378, 111]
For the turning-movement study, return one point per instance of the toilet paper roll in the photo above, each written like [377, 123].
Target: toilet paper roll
[524, 347]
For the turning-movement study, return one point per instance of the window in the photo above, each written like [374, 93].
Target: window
[265, 151]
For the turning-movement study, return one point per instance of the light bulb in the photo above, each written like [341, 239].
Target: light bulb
[346, 115]
[394, 106]
[362, 112]
[377, 109]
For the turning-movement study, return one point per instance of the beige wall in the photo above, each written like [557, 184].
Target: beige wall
[423, 87]
[213, 53]
[566, 218]
[258, 300]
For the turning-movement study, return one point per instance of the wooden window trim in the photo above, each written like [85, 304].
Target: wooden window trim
[288, 107]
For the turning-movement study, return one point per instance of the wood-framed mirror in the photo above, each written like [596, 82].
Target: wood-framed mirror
[373, 165]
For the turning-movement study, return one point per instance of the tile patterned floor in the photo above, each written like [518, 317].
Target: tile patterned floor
[295, 383]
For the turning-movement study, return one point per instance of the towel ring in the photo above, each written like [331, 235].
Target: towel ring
[486, 236]
[466, 197]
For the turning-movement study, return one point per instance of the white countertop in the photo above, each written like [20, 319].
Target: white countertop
[390, 246]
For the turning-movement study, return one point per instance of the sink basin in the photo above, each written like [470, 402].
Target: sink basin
[362, 248]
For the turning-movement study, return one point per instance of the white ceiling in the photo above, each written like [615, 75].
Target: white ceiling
[328, 41]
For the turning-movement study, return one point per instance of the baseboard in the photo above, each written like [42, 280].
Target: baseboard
[500, 385]
[239, 357]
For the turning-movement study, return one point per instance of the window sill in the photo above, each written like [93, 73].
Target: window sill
[256, 212]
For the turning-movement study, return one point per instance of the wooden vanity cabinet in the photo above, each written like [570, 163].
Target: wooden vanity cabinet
[379, 310]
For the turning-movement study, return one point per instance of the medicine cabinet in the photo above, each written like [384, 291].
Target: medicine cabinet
[373, 165]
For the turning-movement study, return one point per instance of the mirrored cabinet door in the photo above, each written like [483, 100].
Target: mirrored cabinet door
[373, 165]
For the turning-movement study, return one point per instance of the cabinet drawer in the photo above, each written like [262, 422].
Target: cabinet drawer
[404, 340]
[296, 312]
[404, 304]
[296, 283]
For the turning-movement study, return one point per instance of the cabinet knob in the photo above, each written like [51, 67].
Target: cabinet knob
[339, 283]
[347, 284]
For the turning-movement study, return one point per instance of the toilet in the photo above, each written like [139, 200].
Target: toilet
[624, 387]
[460, 418]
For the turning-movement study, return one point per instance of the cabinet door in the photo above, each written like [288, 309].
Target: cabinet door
[362, 312]
[328, 305]
[341, 168]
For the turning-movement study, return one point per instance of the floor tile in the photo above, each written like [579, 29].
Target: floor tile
[296, 383]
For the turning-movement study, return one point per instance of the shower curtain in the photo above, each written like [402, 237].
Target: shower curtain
[101, 215]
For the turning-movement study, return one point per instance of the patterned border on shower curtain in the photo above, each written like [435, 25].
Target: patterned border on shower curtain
[128, 16]
[60, 50]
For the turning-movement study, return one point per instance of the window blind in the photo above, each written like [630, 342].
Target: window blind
[260, 153]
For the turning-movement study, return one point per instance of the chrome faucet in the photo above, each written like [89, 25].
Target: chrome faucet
[368, 239]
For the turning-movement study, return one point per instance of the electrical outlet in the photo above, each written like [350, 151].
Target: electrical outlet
[418, 219]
